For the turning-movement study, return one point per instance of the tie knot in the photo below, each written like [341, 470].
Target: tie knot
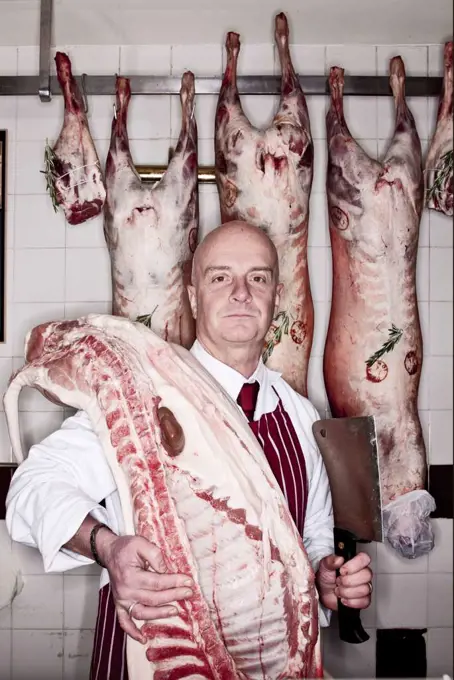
[247, 398]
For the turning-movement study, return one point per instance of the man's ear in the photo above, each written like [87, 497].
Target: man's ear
[192, 300]
[277, 299]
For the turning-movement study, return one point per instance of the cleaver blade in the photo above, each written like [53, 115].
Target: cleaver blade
[349, 450]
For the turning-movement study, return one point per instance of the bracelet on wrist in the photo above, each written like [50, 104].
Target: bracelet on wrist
[93, 549]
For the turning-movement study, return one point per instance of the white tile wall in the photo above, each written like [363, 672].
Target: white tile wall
[414, 58]
[441, 234]
[77, 648]
[8, 60]
[354, 59]
[307, 59]
[202, 60]
[56, 271]
[5, 654]
[439, 601]
[439, 652]
[317, 107]
[100, 59]
[401, 600]
[40, 604]
[441, 439]
[441, 557]
[139, 60]
[44, 657]
[80, 601]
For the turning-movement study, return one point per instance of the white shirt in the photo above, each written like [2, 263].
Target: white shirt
[66, 476]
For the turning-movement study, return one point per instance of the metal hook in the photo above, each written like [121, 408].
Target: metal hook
[84, 92]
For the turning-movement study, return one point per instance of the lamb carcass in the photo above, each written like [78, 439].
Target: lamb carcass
[439, 169]
[265, 177]
[373, 352]
[152, 231]
[73, 173]
[194, 481]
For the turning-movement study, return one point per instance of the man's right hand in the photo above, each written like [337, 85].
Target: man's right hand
[138, 575]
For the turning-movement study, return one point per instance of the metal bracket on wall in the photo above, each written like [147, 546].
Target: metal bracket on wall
[153, 173]
[45, 31]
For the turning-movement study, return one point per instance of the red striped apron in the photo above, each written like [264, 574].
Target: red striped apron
[282, 448]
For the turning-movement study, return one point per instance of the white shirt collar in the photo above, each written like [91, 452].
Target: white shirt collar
[232, 381]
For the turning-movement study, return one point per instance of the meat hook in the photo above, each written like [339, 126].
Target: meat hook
[84, 93]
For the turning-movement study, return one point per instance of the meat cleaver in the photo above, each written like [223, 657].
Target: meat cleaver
[349, 450]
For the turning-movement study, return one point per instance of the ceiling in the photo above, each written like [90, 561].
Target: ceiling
[206, 21]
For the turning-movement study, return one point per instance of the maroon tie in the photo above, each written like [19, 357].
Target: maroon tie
[247, 398]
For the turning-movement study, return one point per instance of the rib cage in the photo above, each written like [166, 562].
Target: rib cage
[234, 537]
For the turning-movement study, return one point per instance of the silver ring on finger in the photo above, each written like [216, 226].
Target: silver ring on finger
[370, 587]
[131, 607]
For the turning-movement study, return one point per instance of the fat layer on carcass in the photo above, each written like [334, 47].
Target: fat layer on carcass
[74, 178]
[152, 230]
[439, 169]
[264, 177]
[373, 352]
[193, 480]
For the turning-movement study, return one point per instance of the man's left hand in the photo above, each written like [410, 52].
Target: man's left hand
[353, 586]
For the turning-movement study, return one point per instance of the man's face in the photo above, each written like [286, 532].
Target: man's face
[235, 293]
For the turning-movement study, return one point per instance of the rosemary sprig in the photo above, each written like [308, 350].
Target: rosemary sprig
[50, 174]
[395, 335]
[146, 318]
[280, 330]
[442, 172]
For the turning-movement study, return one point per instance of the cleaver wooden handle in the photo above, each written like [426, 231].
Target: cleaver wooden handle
[350, 627]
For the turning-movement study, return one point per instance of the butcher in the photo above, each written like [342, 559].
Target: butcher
[64, 502]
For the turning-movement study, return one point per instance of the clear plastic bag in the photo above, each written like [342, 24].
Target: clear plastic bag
[406, 523]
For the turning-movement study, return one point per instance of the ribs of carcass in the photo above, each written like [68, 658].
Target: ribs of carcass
[264, 177]
[73, 173]
[193, 480]
[439, 168]
[374, 351]
[152, 231]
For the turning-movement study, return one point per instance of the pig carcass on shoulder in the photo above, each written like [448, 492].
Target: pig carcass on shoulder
[439, 169]
[192, 480]
[152, 231]
[373, 352]
[264, 177]
[73, 173]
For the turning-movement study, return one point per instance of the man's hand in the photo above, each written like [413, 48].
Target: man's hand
[137, 576]
[353, 586]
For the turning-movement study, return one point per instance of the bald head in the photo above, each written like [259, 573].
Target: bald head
[235, 291]
[245, 236]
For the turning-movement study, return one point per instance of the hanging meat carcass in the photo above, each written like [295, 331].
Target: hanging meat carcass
[373, 352]
[72, 169]
[439, 170]
[183, 458]
[152, 231]
[265, 177]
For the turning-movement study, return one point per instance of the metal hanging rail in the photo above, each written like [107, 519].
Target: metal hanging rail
[46, 86]
[374, 86]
